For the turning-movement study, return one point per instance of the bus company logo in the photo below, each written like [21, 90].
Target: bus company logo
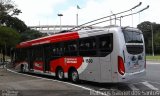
[89, 60]
[71, 60]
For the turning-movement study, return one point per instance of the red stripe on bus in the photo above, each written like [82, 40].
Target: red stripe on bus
[66, 63]
[50, 39]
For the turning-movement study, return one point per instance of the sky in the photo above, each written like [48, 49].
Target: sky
[44, 12]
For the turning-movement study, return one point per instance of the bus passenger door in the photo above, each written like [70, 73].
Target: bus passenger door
[30, 58]
[46, 58]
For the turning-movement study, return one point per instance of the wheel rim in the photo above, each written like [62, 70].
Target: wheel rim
[60, 74]
[74, 76]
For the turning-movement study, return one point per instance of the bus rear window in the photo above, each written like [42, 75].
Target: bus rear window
[132, 36]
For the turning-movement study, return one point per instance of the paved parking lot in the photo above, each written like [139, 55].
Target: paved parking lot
[40, 85]
[32, 86]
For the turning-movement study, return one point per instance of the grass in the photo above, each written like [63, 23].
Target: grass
[157, 57]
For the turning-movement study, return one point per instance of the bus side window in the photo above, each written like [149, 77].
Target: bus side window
[57, 50]
[38, 53]
[82, 45]
[70, 48]
[17, 55]
[87, 47]
[105, 44]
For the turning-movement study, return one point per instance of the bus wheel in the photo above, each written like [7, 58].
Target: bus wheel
[22, 68]
[74, 77]
[60, 74]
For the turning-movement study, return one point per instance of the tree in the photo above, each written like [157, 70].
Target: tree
[157, 42]
[8, 36]
[15, 23]
[157, 38]
[30, 34]
[7, 11]
[146, 27]
[8, 39]
[7, 8]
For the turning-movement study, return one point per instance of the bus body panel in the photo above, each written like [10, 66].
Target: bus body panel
[133, 69]
[91, 72]
[116, 47]
[106, 70]
[100, 69]
[18, 66]
[94, 68]
[38, 65]
[66, 63]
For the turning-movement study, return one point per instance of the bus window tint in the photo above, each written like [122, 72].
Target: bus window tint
[87, 47]
[21, 54]
[132, 36]
[105, 44]
[57, 50]
[38, 53]
[70, 48]
[18, 55]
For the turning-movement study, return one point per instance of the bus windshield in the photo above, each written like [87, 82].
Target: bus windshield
[132, 36]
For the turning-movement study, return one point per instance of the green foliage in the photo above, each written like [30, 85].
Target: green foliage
[15, 23]
[146, 27]
[8, 7]
[157, 38]
[30, 34]
[7, 10]
[9, 37]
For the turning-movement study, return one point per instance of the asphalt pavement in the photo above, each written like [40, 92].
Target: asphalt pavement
[17, 84]
[39, 85]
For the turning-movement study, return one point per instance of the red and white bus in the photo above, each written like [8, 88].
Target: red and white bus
[111, 54]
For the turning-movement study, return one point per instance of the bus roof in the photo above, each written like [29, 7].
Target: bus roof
[69, 35]
[49, 39]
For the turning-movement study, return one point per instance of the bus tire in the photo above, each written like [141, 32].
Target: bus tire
[22, 68]
[60, 74]
[74, 76]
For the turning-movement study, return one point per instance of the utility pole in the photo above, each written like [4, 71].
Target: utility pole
[77, 19]
[77, 14]
[60, 15]
[152, 40]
